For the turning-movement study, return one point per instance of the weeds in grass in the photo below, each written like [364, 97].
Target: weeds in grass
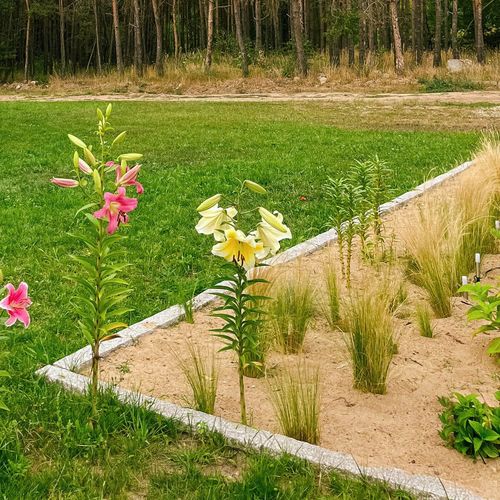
[334, 190]
[423, 314]
[448, 84]
[370, 339]
[291, 313]
[202, 376]
[296, 400]
[331, 307]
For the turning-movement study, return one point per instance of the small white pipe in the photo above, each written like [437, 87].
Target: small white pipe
[497, 225]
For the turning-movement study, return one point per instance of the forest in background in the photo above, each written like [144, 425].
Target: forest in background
[64, 37]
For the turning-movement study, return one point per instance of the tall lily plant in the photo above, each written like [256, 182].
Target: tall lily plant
[242, 252]
[105, 179]
[15, 304]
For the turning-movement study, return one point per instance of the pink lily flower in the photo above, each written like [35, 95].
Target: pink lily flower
[16, 303]
[129, 177]
[64, 183]
[115, 209]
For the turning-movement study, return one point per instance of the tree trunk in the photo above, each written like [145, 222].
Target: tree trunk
[478, 30]
[446, 26]
[159, 39]
[210, 35]
[454, 30]
[437, 36]
[417, 29]
[350, 41]
[27, 41]
[175, 30]
[138, 63]
[258, 27]
[398, 51]
[299, 41]
[118, 44]
[97, 38]
[61, 37]
[239, 37]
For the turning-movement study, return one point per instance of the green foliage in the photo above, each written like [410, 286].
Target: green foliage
[189, 156]
[470, 426]
[486, 308]
[448, 84]
[296, 401]
[291, 313]
[241, 320]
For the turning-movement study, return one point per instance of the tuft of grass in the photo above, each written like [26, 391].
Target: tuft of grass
[331, 307]
[370, 339]
[424, 323]
[449, 84]
[202, 376]
[296, 400]
[292, 311]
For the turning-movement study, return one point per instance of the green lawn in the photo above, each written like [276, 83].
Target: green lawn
[192, 150]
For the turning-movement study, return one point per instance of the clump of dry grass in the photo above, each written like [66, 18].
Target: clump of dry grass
[441, 246]
[201, 373]
[296, 399]
[370, 339]
[292, 311]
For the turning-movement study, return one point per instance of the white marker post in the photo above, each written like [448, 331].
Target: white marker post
[477, 278]
[497, 225]
[465, 281]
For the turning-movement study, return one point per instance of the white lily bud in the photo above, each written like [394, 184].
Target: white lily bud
[77, 142]
[209, 203]
[272, 220]
[253, 186]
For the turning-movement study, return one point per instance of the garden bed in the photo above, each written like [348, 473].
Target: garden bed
[397, 429]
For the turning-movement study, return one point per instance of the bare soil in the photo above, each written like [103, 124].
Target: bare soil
[398, 429]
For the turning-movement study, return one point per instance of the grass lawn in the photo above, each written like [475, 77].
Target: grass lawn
[192, 150]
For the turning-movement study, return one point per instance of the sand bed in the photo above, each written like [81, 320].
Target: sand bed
[397, 429]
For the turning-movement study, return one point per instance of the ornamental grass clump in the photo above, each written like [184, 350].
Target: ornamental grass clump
[292, 311]
[331, 306]
[242, 252]
[431, 251]
[202, 376]
[370, 339]
[424, 322]
[295, 394]
[106, 178]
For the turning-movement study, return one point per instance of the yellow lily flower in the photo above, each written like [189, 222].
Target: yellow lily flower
[215, 220]
[238, 247]
[270, 236]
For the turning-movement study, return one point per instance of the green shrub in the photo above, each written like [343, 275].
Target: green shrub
[471, 427]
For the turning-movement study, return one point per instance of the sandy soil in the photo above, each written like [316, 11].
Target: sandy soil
[491, 97]
[397, 429]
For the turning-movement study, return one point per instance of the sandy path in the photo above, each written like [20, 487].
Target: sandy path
[397, 429]
[489, 97]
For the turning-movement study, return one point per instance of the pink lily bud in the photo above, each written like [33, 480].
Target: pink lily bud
[64, 183]
[84, 167]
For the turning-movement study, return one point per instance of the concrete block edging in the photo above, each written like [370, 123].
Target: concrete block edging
[64, 370]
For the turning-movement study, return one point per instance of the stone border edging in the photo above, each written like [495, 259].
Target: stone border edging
[63, 371]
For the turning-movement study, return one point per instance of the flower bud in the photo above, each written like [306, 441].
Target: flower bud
[209, 203]
[253, 186]
[77, 142]
[89, 156]
[130, 156]
[84, 167]
[272, 220]
[119, 138]
[64, 183]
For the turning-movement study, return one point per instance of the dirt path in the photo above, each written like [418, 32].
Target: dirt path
[489, 97]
